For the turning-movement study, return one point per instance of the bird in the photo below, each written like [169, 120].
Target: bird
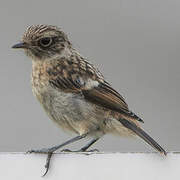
[74, 93]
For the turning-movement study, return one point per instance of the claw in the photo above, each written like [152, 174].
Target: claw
[41, 151]
[47, 163]
[81, 150]
[28, 152]
[92, 150]
[67, 150]
[33, 151]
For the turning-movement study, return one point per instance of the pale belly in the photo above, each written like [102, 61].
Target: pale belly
[71, 112]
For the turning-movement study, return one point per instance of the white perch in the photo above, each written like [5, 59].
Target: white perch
[94, 166]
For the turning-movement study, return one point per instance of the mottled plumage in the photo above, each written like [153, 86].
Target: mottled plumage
[73, 92]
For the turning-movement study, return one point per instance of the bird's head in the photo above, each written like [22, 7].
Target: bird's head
[43, 42]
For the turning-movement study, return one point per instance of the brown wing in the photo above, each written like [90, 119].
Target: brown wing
[76, 81]
[106, 96]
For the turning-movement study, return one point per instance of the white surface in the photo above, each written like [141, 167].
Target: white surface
[108, 166]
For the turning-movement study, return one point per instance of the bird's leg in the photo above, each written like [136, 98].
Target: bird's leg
[54, 148]
[50, 151]
[84, 148]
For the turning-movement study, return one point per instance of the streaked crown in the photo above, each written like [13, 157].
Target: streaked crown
[43, 41]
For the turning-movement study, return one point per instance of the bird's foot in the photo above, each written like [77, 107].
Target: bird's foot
[80, 150]
[48, 151]
[40, 151]
[92, 150]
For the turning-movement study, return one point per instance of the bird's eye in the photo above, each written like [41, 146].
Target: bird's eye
[45, 42]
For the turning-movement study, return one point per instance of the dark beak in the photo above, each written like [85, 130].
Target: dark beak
[20, 45]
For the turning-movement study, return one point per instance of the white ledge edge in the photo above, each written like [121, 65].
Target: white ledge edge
[99, 165]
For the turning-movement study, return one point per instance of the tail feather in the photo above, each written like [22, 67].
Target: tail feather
[138, 131]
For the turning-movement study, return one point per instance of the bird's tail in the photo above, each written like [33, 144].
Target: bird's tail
[138, 131]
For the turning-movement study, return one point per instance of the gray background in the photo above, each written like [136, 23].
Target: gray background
[135, 43]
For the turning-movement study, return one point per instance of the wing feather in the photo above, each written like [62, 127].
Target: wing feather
[100, 92]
